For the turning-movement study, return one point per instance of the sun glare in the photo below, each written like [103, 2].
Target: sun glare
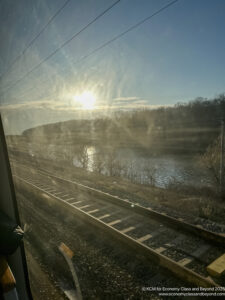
[87, 100]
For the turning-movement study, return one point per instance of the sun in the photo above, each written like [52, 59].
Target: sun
[87, 100]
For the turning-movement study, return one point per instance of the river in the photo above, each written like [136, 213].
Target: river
[164, 168]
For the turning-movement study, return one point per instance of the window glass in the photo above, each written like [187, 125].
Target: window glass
[113, 113]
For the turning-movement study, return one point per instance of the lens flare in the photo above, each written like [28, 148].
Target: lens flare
[87, 100]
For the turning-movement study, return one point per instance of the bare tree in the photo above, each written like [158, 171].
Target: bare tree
[211, 160]
[110, 162]
[99, 163]
[67, 152]
[118, 168]
[150, 173]
[131, 172]
[82, 157]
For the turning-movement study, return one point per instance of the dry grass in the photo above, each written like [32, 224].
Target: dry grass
[189, 201]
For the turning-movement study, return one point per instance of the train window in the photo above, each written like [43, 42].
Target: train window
[113, 114]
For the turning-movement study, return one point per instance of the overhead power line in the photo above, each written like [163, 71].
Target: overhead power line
[109, 41]
[62, 45]
[123, 33]
[34, 39]
[127, 30]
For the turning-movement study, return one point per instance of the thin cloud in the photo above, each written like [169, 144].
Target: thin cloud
[126, 99]
[66, 106]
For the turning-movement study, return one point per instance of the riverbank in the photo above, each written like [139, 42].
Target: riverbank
[207, 211]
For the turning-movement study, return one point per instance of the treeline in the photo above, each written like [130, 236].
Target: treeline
[184, 128]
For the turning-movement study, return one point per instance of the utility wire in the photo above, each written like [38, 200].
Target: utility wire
[125, 32]
[63, 45]
[119, 35]
[34, 39]
[108, 42]
[128, 30]
[113, 39]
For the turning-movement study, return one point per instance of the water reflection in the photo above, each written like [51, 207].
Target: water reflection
[84, 157]
[145, 168]
[133, 164]
[91, 151]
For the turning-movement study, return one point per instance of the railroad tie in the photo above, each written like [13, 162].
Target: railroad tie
[144, 238]
[195, 254]
[66, 195]
[93, 211]
[128, 229]
[69, 199]
[49, 190]
[76, 202]
[149, 236]
[104, 216]
[85, 206]
[58, 193]
[114, 222]
[160, 249]
[217, 267]
[183, 262]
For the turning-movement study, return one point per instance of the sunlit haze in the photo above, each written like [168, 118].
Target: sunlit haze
[175, 56]
[113, 113]
[86, 99]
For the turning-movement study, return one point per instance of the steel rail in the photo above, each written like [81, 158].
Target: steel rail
[215, 238]
[177, 269]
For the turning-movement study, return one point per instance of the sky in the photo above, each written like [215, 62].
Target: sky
[176, 56]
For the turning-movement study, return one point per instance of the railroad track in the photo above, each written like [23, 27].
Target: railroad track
[183, 249]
